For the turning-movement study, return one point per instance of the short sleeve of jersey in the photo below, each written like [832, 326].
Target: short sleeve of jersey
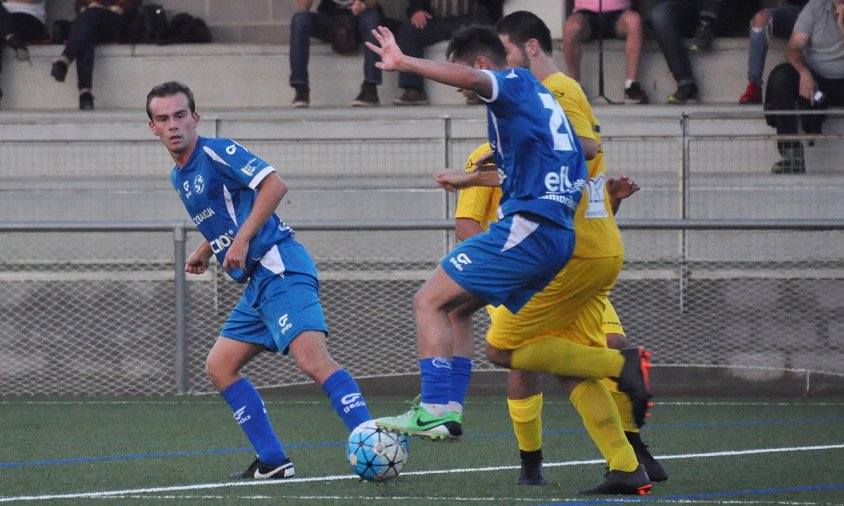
[571, 98]
[478, 203]
[507, 87]
[237, 162]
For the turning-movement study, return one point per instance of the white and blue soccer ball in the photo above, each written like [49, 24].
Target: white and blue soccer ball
[375, 454]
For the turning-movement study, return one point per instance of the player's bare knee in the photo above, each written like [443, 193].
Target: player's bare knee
[498, 356]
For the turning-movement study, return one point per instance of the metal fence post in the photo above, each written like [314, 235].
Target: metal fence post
[684, 211]
[181, 355]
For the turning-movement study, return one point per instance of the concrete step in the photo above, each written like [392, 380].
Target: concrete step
[256, 75]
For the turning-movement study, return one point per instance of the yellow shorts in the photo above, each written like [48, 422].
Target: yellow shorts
[571, 307]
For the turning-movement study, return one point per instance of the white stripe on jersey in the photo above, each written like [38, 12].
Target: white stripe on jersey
[214, 155]
[230, 205]
[260, 176]
[272, 261]
[519, 230]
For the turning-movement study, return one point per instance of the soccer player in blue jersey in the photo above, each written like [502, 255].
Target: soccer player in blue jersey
[232, 195]
[541, 171]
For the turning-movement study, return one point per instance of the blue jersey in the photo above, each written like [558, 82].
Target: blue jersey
[217, 187]
[541, 164]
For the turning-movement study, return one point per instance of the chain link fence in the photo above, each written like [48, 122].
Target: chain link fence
[96, 308]
[122, 317]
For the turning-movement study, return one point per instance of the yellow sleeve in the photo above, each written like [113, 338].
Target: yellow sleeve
[571, 98]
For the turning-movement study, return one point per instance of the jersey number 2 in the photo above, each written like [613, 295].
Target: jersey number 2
[557, 121]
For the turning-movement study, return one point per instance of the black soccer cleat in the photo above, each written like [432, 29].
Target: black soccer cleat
[655, 471]
[531, 473]
[619, 482]
[634, 381]
[260, 471]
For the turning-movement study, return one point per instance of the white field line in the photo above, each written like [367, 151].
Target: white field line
[338, 477]
[445, 499]
[495, 400]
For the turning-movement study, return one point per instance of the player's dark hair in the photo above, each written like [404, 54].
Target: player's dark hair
[169, 89]
[472, 41]
[521, 26]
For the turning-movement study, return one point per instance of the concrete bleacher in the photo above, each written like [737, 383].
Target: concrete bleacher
[256, 75]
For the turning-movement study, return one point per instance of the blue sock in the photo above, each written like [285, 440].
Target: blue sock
[251, 415]
[461, 373]
[346, 398]
[436, 380]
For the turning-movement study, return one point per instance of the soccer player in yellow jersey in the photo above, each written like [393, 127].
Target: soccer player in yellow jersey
[569, 305]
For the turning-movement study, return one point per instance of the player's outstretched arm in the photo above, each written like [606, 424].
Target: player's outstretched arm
[619, 189]
[452, 74]
[453, 180]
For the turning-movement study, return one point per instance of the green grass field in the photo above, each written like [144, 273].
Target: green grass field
[164, 450]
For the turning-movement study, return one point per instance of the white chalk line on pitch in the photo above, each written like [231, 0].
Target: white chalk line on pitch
[476, 402]
[338, 477]
[483, 500]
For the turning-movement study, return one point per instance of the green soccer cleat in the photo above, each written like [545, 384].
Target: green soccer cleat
[424, 424]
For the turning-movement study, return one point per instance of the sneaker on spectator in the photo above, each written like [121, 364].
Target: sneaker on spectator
[704, 35]
[302, 98]
[412, 96]
[752, 95]
[20, 49]
[635, 94]
[683, 94]
[86, 101]
[789, 166]
[368, 95]
[59, 71]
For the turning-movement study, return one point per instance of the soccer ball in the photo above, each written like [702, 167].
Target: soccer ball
[376, 454]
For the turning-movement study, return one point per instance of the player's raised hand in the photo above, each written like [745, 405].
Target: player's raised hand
[622, 187]
[387, 49]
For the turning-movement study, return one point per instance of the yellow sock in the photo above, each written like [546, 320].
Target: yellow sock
[564, 358]
[527, 421]
[625, 408]
[600, 417]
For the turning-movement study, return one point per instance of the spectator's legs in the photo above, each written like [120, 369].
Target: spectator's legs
[304, 26]
[782, 93]
[28, 28]
[575, 32]
[671, 20]
[760, 30]
[630, 27]
[413, 41]
[368, 21]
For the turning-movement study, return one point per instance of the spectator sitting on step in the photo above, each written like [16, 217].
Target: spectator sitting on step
[432, 21]
[777, 21]
[350, 20]
[673, 19]
[22, 21]
[96, 21]
[616, 20]
[812, 77]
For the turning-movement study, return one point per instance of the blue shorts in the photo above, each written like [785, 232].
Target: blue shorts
[275, 308]
[517, 257]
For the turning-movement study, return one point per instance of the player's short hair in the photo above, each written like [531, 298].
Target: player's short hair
[521, 26]
[169, 89]
[472, 41]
